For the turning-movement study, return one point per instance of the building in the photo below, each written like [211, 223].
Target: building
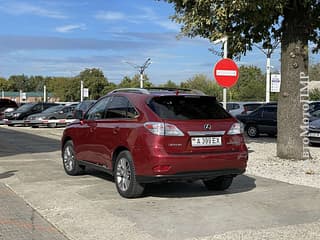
[21, 97]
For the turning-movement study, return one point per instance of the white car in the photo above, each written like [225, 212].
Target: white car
[237, 108]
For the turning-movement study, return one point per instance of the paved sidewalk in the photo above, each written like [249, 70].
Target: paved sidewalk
[19, 221]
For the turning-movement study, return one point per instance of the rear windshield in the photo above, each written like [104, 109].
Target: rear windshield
[187, 107]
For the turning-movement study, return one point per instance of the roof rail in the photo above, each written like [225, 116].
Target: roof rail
[177, 90]
[160, 89]
[134, 90]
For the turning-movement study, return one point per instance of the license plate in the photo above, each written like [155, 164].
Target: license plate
[205, 141]
[314, 134]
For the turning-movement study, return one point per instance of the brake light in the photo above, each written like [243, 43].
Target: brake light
[236, 128]
[163, 129]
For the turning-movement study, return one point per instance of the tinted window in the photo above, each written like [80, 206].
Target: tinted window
[187, 107]
[257, 113]
[26, 107]
[269, 113]
[120, 107]
[38, 107]
[251, 107]
[229, 106]
[98, 110]
[53, 109]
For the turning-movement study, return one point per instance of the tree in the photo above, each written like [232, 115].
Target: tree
[314, 72]
[66, 89]
[203, 83]
[127, 82]
[315, 94]
[250, 86]
[3, 84]
[294, 22]
[18, 82]
[94, 80]
[169, 84]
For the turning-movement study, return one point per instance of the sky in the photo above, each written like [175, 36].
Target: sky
[64, 37]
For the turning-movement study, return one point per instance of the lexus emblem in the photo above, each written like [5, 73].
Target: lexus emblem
[207, 126]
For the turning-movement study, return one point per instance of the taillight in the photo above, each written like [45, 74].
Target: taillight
[236, 128]
[163, 129]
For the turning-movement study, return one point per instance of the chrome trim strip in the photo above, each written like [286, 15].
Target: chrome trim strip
[206, 133]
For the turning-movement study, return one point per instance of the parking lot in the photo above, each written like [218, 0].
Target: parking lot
[89, 207]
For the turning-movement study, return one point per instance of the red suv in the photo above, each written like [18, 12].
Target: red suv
[142, 136]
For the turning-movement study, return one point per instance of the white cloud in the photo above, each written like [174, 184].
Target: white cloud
[169, 25]
[21, 8]
[110, 16]
[70, 28]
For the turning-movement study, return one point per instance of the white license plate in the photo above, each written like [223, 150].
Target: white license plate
[205, 141]
[314, 134]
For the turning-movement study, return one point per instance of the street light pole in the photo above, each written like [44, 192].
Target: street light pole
[81, 90]
[268, 78]
[225, 55]
[141, 69]
[268, 52]
[224, 40]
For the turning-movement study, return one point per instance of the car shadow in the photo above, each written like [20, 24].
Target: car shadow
[16, 142]
[240, 184]
[262, 139]
[184, 189]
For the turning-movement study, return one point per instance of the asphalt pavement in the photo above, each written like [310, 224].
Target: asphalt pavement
[42, 202]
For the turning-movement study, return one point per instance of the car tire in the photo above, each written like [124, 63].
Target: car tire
[125, 176]
[252, 131]
[219, 183]
[70, 163]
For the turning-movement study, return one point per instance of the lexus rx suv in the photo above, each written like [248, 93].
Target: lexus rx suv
[141, 136]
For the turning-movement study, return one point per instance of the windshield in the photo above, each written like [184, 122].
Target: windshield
[53, 109]
[187, 107]
[26, 107]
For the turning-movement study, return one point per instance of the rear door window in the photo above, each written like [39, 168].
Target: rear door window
[187, 107]
[251, 107]
[120, 107]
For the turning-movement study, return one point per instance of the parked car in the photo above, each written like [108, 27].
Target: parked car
[313, 106]
[236, 108]
[262, 120]
[53, 113]
[27, 109]
[314, 132]
[142, 136]
[5, 105]
[81, 108]
[314, 115]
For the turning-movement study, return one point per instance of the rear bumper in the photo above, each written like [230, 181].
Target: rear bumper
[190, 175]
[159, 164]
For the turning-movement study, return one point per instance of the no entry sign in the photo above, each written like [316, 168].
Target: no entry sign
[226, 72]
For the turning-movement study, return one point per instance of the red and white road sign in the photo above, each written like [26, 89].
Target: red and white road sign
[226, 72]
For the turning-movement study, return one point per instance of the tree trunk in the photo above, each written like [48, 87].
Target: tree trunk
[292, 144]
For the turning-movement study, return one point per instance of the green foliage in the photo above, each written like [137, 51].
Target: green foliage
[4, 85]
[134, 82]
[250, 86]
[245, 22]
[314, 94]
[314, 72]
[169, 84]
[19, 82]
[203, 83]
[94, 80]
